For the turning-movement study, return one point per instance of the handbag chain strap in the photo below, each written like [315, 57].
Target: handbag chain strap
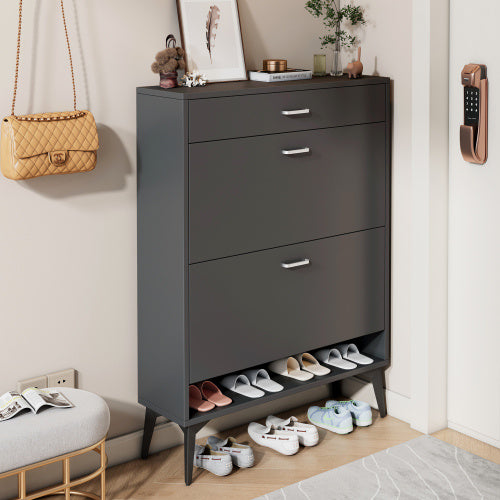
[19, 50]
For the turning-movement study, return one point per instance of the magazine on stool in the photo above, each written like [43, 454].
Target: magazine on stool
[32, 399]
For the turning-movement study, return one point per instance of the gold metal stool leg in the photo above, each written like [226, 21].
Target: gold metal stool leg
[21, 484]
[64, 488]
[66, 479]
[103, 473]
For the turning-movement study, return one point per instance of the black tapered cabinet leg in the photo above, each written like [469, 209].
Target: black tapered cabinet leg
[378, 382]
[189, 442]
[149, 427]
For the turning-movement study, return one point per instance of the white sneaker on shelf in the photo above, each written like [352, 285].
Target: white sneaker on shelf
[307, 433]
[216, 462]
[282, 441]
[241, 454]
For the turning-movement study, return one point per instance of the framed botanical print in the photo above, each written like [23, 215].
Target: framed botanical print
[211, 37]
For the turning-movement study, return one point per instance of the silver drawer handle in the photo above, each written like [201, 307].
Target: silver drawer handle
[295, 151]
[293, 112]
[297, 263]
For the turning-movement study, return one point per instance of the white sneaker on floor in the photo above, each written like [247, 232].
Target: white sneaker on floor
[336, 419]
[216, 462]
[361, 412]
[282, 441]
[241, 454]
[307, 433]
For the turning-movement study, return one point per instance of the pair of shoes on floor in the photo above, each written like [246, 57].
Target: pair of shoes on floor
[251, 383]
[344, 356]
[219, 456]
[340, 416]
[301, 367]
[206, 396]
[283, 435]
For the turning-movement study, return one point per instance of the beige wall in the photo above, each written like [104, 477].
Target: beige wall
[474, 238]
[67, 244]
[386, 50]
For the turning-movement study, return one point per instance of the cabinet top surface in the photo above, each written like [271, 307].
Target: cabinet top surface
[248, 87]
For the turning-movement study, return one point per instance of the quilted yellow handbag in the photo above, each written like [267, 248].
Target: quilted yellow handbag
[47, 143]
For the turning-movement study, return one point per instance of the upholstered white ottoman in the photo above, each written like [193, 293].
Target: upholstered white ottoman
[30, 441]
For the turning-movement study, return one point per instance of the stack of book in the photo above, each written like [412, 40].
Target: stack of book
[289, 74]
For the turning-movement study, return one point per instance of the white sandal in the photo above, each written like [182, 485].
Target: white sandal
[241, 385]
[310, 364]
[289, 367]
[333, 357]
[351, 353]
[261, 379]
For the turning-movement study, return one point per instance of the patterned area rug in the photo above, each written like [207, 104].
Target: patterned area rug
[423, 468]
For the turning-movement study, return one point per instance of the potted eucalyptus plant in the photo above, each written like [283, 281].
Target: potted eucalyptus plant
[334, 17]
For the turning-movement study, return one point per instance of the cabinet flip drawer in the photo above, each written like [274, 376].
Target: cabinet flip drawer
[261, 192]
[256, 308]
[242, 116]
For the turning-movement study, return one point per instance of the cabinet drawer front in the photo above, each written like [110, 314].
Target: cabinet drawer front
[246, 195]
[249, 309]
[242, 116]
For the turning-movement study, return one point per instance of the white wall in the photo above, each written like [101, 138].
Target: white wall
[67, 244]
[386, 50]
[474, 236]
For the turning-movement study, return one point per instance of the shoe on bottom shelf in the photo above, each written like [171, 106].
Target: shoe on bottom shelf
[361, 412]
[241, 454]
[216, 462]
[281, 441]
[336, 419]
[307, 433]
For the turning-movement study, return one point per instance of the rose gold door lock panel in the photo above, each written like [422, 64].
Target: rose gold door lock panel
[474, 132]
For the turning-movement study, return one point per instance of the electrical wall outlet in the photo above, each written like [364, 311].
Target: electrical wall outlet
[64, 378]
[38, 382]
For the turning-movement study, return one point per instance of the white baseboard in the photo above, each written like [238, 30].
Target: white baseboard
[474, 434]
[398, 406]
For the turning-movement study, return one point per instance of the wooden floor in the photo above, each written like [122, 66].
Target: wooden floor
[162, 475]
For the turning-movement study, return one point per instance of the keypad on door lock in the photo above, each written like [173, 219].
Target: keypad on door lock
[471, 105]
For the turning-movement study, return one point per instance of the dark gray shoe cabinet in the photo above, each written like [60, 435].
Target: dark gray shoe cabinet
[234, 180]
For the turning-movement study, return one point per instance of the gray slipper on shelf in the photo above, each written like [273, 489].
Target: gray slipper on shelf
[351, 353]
[261, 379]
[333, 357]
[241, 385]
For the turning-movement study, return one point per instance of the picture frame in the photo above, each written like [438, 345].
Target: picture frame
[211, 37]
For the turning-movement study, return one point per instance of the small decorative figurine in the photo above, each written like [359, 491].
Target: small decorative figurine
[167, 63]
[194, 79]
[355, 68]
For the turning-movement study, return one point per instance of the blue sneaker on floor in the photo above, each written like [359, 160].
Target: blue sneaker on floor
[361, 412]
[335, 419]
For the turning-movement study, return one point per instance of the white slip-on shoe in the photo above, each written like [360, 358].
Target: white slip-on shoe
[216, 462]
[281, 441]
[241, 454]
[307, 433]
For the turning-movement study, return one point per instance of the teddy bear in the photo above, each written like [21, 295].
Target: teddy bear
[167, 62]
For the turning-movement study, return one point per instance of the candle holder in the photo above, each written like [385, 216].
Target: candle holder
[319, 67]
